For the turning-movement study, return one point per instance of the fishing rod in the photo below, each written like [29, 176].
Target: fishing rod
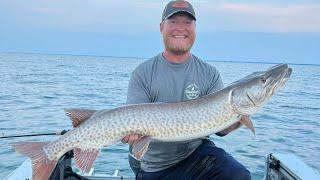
[39, 134]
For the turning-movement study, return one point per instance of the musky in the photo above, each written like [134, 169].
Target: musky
[242, 30]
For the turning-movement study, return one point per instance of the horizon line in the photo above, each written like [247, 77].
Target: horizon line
[136, 57]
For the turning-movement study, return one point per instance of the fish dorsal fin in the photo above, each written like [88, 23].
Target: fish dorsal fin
[84, 159]
[245, 120]
[140, 147]
[78, 116]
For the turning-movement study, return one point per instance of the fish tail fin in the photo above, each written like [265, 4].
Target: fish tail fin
[42, 167]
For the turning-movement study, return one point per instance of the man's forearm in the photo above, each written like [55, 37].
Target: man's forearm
[229, 129]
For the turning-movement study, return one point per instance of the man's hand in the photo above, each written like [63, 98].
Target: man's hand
[132, 138]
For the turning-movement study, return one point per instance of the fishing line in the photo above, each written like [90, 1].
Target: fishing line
[39, 134]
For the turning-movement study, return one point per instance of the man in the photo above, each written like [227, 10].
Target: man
[172, 76]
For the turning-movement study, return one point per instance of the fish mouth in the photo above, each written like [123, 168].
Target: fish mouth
[284, 77]
[287, 75]
[279, 75]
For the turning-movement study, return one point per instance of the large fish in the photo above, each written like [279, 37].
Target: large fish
[161, 121]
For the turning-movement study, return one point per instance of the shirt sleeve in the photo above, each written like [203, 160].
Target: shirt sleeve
[215, 83]
[137, 90]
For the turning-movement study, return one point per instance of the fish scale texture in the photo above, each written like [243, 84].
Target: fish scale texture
[162, 121]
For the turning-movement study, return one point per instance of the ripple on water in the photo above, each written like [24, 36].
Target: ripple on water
[299, 107]
[278, 139]
[240, 151]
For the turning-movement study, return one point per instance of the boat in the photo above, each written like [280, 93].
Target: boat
[62, 170]
[277, 167]
[281, 166]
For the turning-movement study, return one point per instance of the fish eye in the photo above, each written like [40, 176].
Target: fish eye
[263, 80]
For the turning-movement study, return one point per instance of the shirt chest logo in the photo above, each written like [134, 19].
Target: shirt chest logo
[192, 91]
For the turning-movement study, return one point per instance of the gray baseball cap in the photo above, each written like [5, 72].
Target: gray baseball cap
[176, 6]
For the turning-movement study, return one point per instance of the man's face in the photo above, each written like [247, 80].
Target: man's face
[178, 33]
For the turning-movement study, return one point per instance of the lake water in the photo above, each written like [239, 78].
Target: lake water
[35, 88]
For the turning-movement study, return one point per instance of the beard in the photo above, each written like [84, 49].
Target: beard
[178, 49]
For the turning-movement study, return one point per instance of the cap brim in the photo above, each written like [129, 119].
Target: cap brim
[177, 11]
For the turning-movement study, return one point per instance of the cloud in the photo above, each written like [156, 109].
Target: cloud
[83, 15]
[123, 16]
[265, 17]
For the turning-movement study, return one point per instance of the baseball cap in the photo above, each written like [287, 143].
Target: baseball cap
[176, 6]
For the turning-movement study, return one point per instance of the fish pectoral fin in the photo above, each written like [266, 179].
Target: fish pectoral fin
[78, 116]
[245, 120]
[84, 158]
[140, 147]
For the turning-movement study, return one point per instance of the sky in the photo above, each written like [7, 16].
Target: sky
[243, 30]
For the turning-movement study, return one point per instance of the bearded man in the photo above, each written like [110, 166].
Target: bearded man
[177, 75]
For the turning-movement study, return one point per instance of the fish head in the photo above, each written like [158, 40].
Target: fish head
[250, 93]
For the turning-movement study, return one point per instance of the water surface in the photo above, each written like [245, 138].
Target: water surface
[35, 88]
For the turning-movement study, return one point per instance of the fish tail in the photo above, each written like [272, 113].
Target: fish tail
[42, 167]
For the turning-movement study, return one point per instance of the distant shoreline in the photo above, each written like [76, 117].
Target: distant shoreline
[144, 58]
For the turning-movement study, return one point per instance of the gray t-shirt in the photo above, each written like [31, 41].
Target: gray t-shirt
[157, 80]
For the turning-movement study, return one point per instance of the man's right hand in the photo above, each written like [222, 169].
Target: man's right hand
[132, 138]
